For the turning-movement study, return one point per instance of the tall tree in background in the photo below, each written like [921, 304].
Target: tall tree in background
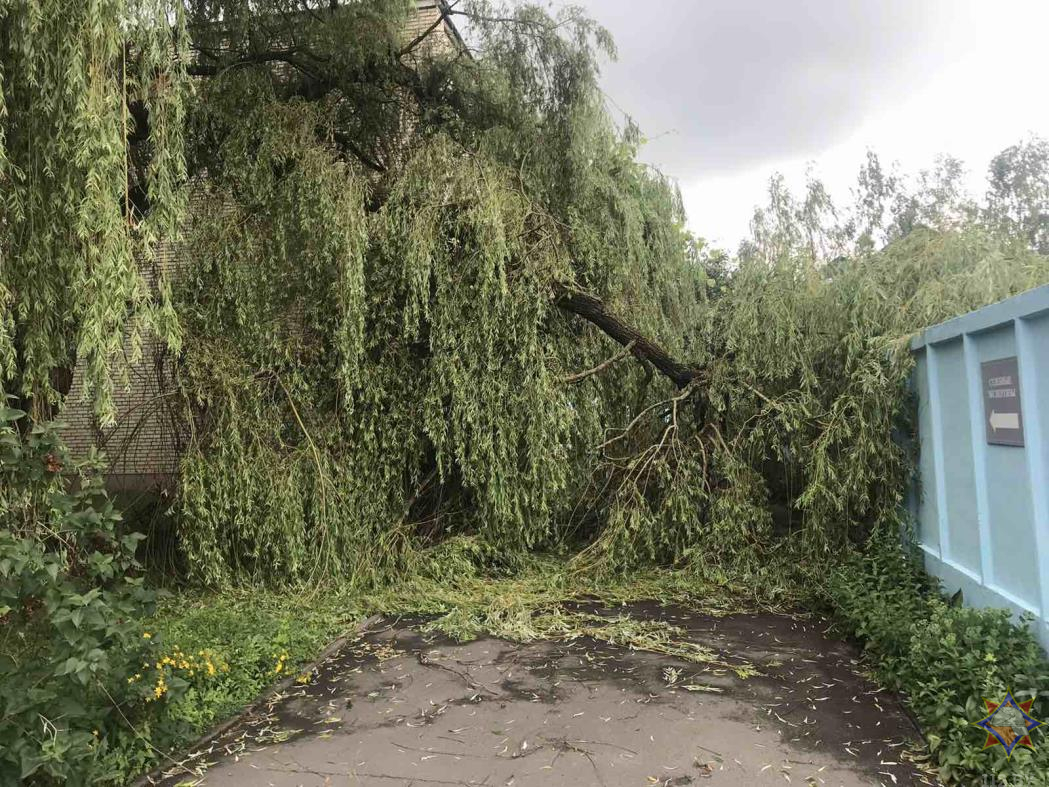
[888, 204]
[1018, 194]
[74, 76]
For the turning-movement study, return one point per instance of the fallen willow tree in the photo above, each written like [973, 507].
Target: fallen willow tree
[433, 314]
[396, 260]
[432, 293]
[429, 293]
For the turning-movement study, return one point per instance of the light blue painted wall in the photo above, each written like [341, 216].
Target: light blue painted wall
[983, 510]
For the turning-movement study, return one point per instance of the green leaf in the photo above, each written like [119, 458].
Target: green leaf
[30, 763]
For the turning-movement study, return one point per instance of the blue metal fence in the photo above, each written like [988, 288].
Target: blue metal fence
[983, 509]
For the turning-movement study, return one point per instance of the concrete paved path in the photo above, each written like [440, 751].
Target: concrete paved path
[397, 709]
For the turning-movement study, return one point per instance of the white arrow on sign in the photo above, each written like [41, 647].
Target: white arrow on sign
[1004, 420]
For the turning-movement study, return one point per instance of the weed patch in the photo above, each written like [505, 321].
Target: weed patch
[946, 659]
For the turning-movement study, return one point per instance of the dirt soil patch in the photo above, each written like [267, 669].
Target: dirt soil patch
[400, 707]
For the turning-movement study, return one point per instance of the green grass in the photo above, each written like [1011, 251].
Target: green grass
[251, 637]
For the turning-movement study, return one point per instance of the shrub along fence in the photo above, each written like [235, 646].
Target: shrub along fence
[982, 382]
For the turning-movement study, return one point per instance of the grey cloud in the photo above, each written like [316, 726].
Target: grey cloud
[725, 85]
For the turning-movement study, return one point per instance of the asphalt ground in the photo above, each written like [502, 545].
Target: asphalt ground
[395, 707]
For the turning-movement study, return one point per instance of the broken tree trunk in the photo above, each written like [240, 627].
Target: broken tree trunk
[594, 311]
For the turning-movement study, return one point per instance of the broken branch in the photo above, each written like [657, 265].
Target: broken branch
[594, 311]
[577, 378]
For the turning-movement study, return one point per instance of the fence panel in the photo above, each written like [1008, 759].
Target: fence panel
[982, 383]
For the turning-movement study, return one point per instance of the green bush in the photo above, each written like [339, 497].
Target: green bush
[94, 686]
[946, 658]
[71, 599]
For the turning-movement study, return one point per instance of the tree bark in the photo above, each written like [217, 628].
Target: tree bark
[594, 311]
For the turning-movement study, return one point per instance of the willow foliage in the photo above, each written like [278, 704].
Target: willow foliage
[376, 354]
[74, 79]
[378, 346]
[828, 345]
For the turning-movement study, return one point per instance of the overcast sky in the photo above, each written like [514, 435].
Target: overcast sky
[729, 91]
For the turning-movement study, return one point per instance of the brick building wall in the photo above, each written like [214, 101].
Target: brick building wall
[144, 445]
[426, 15]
